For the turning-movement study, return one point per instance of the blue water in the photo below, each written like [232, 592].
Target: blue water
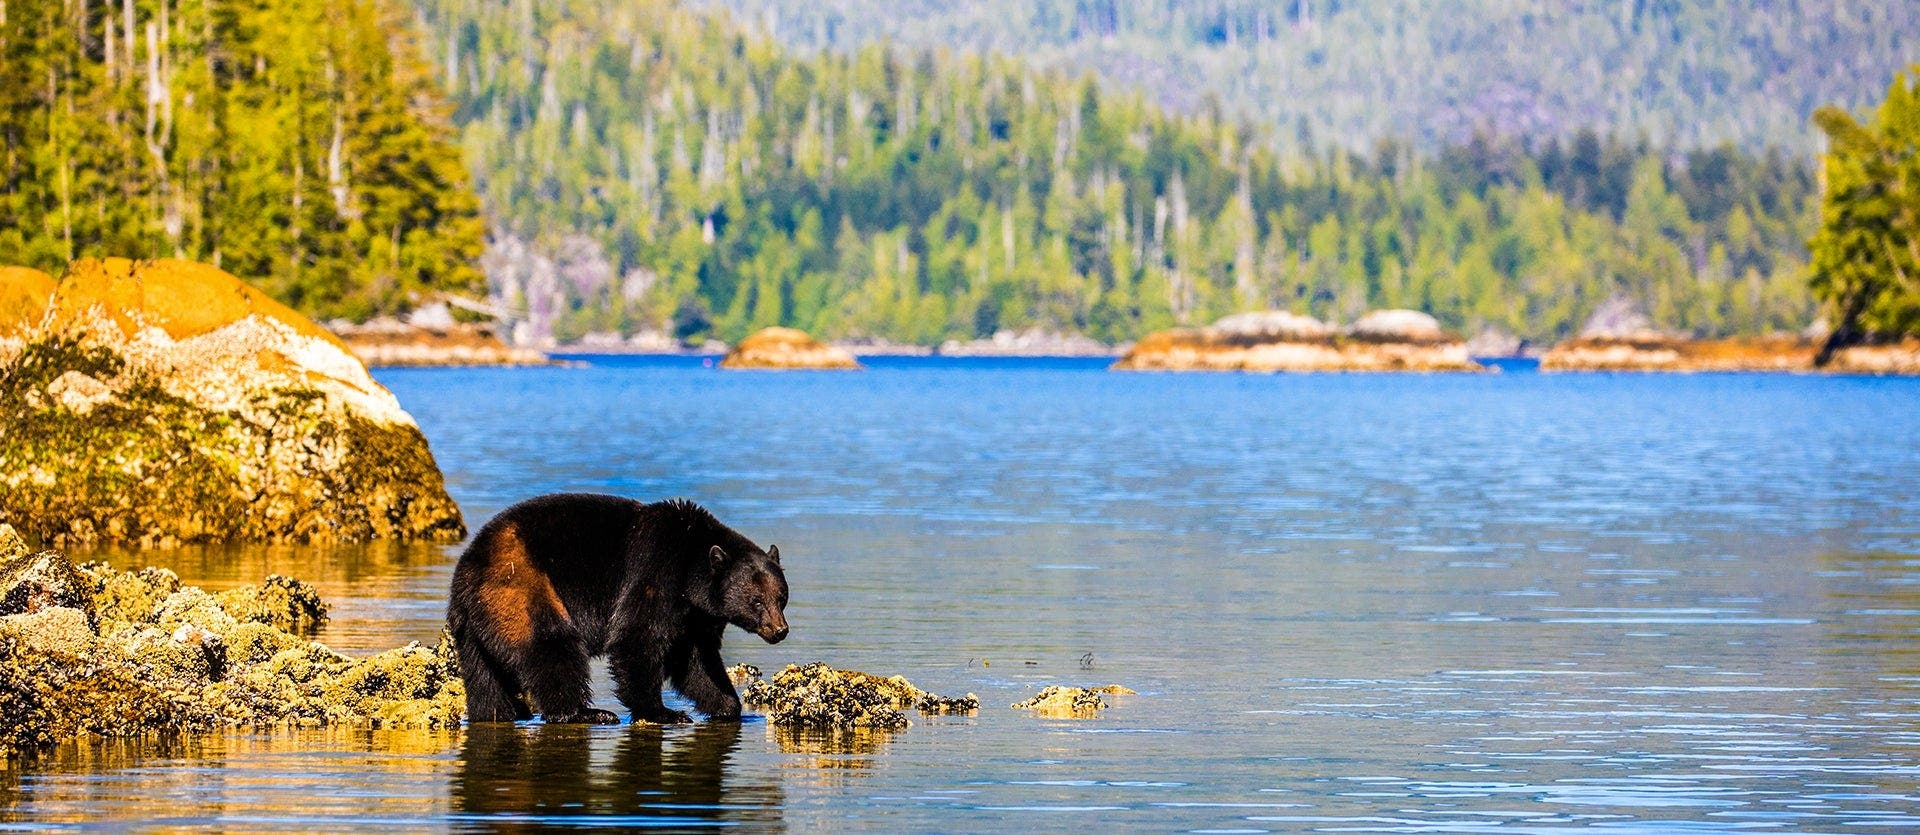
[1411, 603]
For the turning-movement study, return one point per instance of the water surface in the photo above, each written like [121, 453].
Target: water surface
[1450, 603]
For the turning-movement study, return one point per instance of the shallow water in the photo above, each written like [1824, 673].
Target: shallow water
[1508, 602]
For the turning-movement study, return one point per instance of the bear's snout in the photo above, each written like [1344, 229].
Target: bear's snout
[773, 630]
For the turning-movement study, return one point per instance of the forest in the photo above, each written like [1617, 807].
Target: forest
[1684, 73]
[300, 144]
[648, 166]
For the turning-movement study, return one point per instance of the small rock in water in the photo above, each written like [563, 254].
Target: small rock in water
[1070, 702]
[819, 696]
[742, 673]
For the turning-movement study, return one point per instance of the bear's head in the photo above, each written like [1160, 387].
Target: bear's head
[751, 590]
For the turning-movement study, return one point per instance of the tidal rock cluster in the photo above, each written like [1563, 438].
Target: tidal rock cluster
[1384, 340]
[165, 402]
[91, 650]
[1070, 702]
[786, 348]
[817, 696]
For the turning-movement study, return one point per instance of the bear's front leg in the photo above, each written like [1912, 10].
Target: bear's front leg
[700, 675]
[638, 673]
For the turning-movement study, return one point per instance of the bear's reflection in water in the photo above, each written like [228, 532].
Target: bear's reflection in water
[536, 776]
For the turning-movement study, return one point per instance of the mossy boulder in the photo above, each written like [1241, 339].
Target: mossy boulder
[786, 348]
[160, 656]
[165, 402]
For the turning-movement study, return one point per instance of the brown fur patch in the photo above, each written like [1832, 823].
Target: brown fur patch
[514, 593]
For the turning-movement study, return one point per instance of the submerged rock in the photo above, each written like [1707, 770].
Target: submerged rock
[786, 348]
[165, 402]
[1384, 340]
[820, 697]
[160, 656]
[1070, 702]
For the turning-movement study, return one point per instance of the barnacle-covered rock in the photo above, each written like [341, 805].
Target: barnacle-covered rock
[819, 696]
[1069, 702]
[161, 656]
[31, 582]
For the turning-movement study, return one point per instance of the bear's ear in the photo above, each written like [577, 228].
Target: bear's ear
[717, 555]
[773, 553]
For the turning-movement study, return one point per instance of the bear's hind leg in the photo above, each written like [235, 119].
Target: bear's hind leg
[560, 680]
[491, 695]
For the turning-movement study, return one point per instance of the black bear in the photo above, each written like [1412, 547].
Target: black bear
[555, 580]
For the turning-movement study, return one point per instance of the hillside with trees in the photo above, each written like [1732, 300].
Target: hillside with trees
[1690, 74]
[300, 144]
[647, 166]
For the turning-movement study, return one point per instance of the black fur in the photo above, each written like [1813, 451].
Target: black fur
[558, 579]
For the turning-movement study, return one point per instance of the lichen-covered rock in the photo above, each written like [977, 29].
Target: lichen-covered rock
[821, 697]
[164, 402]
[31, 582]
[164, 656]
[786, 348]
[1067, 702]
[1386, 340]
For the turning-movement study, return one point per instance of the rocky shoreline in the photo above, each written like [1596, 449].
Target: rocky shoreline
[89, 650]
[1780, 354]
[391, 343]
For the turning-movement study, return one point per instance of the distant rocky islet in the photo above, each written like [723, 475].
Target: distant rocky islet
[1270, 341]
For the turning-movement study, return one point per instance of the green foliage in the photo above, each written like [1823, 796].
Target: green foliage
[1866, 256]
[650, 167]
[1692, 74]
[295, 144]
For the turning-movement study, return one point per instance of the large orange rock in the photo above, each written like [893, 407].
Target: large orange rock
[786, 348]
[1397, 340]
[165, 402]
[183, 298]
[24, 295]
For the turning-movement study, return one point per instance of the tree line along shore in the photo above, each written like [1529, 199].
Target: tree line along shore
[649, 174]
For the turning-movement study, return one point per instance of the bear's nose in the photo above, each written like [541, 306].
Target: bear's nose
[774, 636]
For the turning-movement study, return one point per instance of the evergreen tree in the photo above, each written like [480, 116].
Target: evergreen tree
[1866, 256]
